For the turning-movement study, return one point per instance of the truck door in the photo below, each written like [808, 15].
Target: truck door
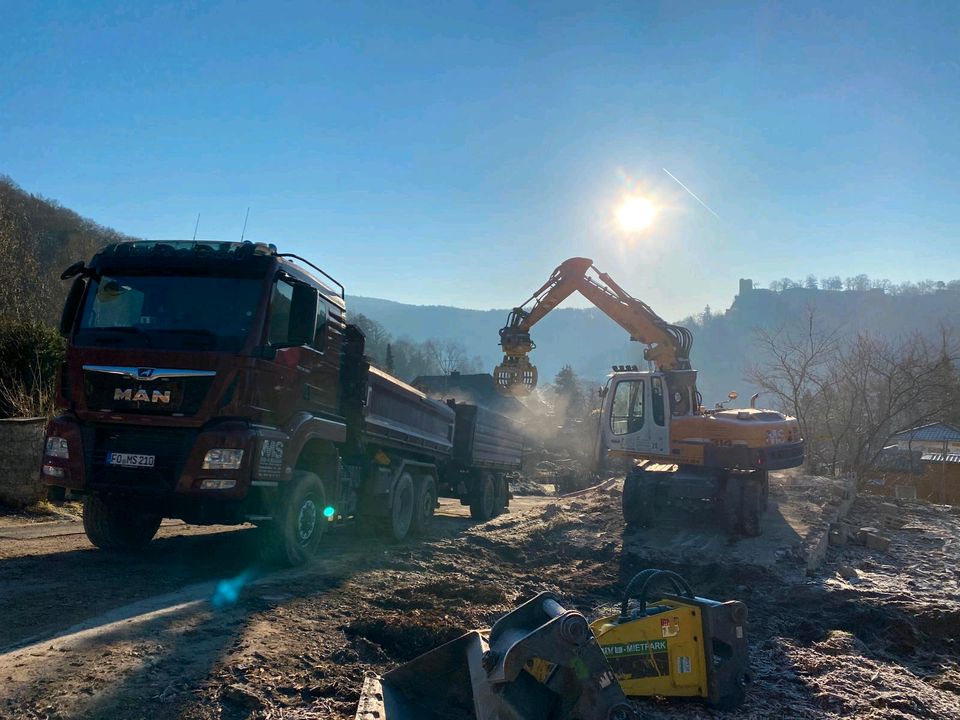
[320, 361]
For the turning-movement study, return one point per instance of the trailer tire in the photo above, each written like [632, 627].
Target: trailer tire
[397, 525]
[425, 501]
[293, 536]
[110, 527]
[483, 498]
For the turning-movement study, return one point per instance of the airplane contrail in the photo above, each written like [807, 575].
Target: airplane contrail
[691, 192]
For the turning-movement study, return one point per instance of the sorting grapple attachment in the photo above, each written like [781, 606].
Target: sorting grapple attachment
[515, 376]
[497, 678]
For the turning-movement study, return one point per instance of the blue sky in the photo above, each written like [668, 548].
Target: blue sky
[454, 153]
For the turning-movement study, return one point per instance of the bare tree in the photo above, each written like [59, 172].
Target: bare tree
[850, 394]
[450, 355]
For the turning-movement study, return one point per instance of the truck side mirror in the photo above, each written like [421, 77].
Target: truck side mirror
[303, 315]
[71, 306]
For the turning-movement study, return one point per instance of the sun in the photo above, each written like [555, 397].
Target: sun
[636, 213]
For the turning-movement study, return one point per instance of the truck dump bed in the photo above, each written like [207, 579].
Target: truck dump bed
[400, 415]
[486, 439]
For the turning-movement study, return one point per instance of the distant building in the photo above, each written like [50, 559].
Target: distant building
[930, 476]
[475, 389]
[931, 438]
[746, 286]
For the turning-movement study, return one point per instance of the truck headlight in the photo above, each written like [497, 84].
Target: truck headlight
[222, 459]
[57, 448]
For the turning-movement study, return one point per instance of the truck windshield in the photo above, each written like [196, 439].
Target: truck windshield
[200, 312]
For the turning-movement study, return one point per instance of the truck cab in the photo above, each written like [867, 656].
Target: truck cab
[220, 383]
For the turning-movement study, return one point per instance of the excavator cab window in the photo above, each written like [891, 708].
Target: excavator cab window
[627, 414]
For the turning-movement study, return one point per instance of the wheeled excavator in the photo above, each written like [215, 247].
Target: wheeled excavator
[681, 451]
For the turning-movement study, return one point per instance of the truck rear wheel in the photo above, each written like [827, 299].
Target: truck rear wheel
[402, 508]
[483, 499]
[112, 527]
[293, 536]
[424, 503]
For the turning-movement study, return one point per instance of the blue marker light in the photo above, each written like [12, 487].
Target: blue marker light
[328, 511]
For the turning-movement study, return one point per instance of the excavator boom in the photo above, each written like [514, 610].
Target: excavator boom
[668, 345]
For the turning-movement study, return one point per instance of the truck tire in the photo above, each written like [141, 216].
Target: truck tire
[399, 521]
[425, 502]
[111, 527]
[503, 493]
[293, 536]
[483, 498]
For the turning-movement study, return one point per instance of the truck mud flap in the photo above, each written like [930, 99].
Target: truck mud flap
[540, 662]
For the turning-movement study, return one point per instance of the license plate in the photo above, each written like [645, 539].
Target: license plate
[131, 460]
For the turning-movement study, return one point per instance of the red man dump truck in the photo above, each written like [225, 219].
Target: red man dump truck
[220, 383]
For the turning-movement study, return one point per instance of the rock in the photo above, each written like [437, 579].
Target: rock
[875, 541]
[848, 573]
[242, 695]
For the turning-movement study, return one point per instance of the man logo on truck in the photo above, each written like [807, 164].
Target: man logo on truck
[141, 395]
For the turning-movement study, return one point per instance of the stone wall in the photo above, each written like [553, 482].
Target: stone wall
[21, 449]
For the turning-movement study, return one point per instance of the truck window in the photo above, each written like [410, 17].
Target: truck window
[280, 304]
[627, 412]
[656, 390]
[320, 329]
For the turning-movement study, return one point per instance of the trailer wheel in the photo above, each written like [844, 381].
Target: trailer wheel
[111, 527]
[293, 536]
[483, 499]
[424, 503]
[402, 508]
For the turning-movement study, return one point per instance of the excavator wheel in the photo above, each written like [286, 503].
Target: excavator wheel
[638, 506]
[743, 504]
[751, 506]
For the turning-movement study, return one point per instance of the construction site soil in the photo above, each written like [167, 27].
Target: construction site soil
[192, 630]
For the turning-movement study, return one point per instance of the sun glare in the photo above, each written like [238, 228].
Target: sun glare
[636, 214]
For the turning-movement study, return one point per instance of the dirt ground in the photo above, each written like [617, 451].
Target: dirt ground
[193, 629]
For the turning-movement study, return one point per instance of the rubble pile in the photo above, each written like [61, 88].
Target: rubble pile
[873, 634]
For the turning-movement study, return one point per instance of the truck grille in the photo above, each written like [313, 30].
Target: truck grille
[162, 396]
[169, 446]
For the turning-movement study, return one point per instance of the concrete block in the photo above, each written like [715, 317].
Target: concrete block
[875, 541]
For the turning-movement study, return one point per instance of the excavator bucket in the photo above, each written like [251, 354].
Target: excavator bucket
[539, 662]
[515, 376]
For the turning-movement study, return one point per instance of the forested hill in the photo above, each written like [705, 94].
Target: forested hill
[38, 239]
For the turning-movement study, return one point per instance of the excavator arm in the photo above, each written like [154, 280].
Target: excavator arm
[668, 345]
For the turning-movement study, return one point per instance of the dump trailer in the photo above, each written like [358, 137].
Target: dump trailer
[220, 383]
[486, 446]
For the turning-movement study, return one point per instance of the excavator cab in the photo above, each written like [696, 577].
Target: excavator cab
[636, 412]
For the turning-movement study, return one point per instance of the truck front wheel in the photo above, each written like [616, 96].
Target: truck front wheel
[293, 536]
[112, 527]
